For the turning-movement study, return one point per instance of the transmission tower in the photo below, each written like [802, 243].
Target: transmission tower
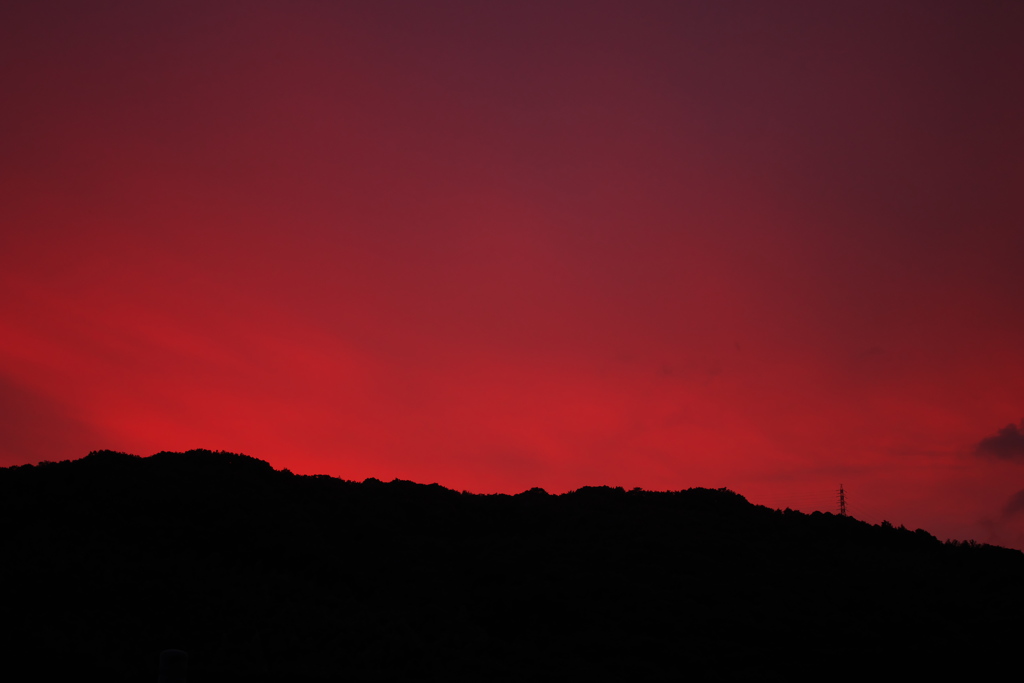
[842, 501]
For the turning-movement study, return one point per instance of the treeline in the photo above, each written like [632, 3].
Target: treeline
[262, 573]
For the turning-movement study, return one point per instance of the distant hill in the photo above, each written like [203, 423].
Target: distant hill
[257, 573]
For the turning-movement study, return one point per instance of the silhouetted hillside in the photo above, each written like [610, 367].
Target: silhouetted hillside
[112, 558]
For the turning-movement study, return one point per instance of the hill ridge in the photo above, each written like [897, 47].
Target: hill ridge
[262, 572]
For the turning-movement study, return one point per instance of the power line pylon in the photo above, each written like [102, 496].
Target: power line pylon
[842, 501]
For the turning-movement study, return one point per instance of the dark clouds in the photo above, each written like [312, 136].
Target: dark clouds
[37, 427]
[1015, 506]
[1008, 443]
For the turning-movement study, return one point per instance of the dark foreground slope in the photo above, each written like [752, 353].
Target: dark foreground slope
[255, 572]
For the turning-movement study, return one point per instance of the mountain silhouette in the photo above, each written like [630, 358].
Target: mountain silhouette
[258, 573]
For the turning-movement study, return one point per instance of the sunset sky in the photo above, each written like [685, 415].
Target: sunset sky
[770, 246]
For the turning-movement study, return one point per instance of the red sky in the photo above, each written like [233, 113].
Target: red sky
[769, 246]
